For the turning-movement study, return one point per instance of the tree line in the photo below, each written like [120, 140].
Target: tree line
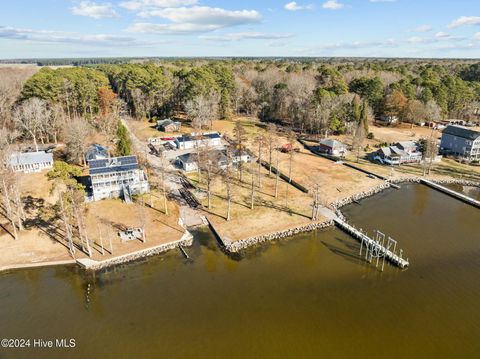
[322, 97]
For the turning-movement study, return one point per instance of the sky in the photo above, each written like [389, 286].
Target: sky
[163, 28]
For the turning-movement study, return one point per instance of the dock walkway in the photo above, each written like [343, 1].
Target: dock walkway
[370, 243]
[450, 192]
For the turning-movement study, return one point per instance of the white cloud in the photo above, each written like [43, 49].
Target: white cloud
[293, 6]
[237, 36]
[442, 35]
[423, 28]
[477, 36]
[135, 5]
[360, 45]
[94, 10]
[465, 20]
[195, 19]
[45, 36]
[333, 5]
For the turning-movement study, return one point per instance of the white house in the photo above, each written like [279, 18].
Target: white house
[400, 153]
[211, 139]
[30, 162]
[116, 177]
[240, 156]
[189, 163]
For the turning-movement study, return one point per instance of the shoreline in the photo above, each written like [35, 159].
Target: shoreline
[13, 267]
[236, 246]
[90, 264]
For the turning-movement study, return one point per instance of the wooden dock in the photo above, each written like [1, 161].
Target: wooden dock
[451, 193]
[373, 246]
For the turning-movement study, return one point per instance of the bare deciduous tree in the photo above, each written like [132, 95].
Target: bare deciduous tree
[202, 110]
[76, 140]
[32, 117]
[271, 139]
[240, 139]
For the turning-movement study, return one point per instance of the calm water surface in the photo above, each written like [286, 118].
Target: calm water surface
[308, 297]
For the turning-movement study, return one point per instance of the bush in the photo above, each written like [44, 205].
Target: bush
[370, 136]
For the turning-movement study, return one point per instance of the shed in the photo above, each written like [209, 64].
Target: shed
[333, 147]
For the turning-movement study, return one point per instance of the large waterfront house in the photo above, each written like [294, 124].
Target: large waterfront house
[400, 153]
[210, 139]
[461, 142]
[31, 162]
[332, 147]
[116, 177]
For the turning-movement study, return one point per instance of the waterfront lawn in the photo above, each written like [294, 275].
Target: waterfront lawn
[269, 215]
[36, 242]
[105, 218]
[43, 239]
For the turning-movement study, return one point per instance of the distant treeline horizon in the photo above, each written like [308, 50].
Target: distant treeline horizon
[85, 61]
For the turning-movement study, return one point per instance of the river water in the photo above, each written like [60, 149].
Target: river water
[307, 297]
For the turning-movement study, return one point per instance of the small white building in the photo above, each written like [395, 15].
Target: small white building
[387, 120]
[188, 162]
[31, 162]
[240, 156]
[211, 139]
[333, 147]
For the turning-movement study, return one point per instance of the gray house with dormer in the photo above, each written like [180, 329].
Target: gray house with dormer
[461, 142]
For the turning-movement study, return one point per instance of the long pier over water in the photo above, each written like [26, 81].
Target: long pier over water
[373, 246]
[451, 193]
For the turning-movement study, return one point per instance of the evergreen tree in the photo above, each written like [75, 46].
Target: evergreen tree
[364, 117]
[124, 144]
[356, 109]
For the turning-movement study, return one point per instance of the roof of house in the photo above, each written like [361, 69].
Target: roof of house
[407, 144]
[391, 151]
[167, 122]
[462, 132]
[332, 143]
[186, 138]
[29, 158]
[96, 152]
[188, 158]
[113, 164]
[219, 155]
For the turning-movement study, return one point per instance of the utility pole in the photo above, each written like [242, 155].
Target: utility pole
[316, 203]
